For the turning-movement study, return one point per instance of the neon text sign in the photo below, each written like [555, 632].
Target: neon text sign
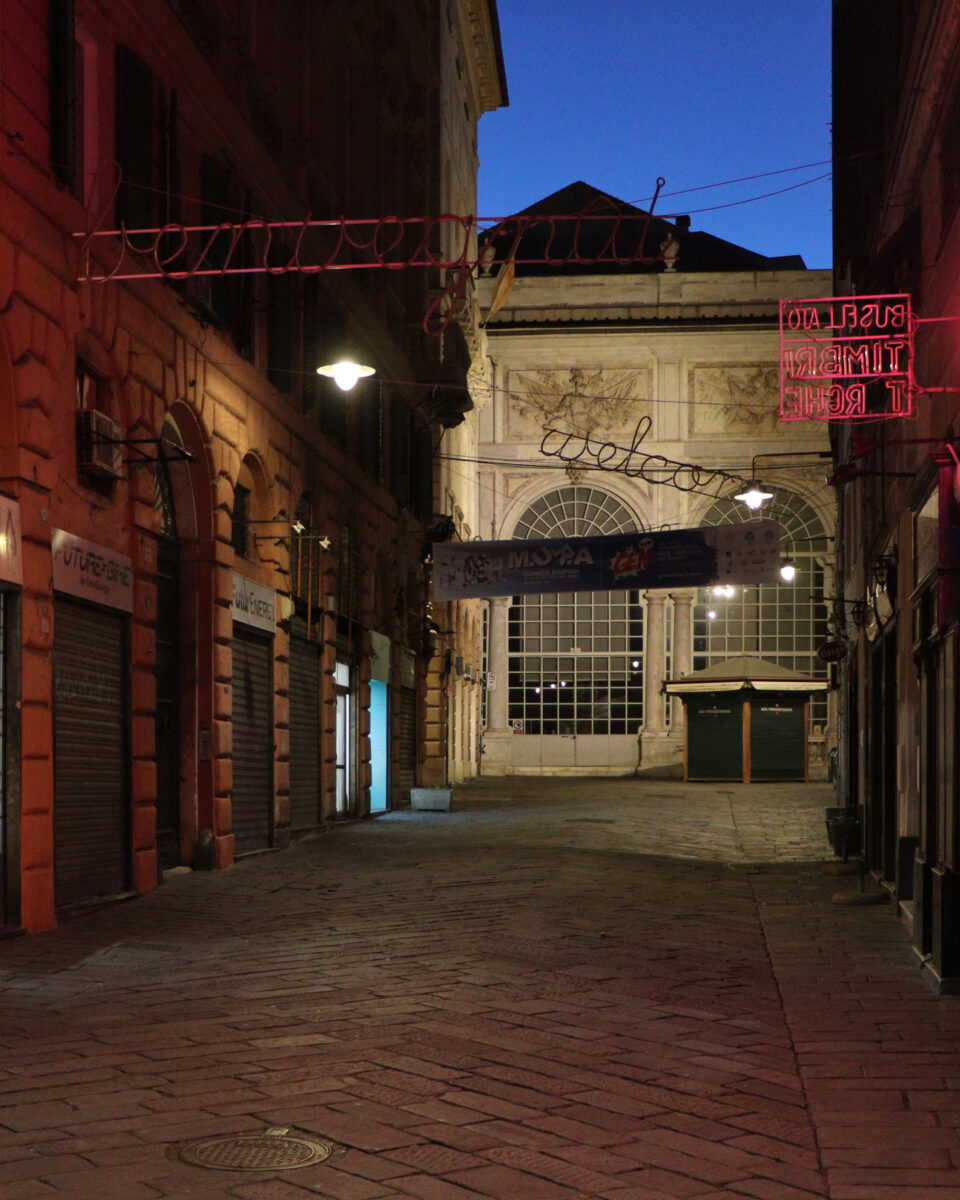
[846, 359]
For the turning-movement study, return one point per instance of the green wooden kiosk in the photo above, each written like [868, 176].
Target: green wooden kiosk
[745, 720]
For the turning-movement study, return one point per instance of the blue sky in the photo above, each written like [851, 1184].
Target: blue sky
[617, 92]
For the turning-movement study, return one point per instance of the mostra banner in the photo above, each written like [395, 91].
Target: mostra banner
[748, 553]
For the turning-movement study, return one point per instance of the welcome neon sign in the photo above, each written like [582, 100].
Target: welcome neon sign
[846, 358]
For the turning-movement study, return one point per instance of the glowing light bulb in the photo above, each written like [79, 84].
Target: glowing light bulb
[754, 496]
[345, 373]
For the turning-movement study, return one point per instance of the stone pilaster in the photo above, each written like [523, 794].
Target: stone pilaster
[658, 746]
[498, 737]
[682, 649]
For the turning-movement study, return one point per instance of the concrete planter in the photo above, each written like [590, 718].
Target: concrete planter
[430, 799]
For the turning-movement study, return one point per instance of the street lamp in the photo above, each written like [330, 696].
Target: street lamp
[345, 372]
[754, 495]
[336, 348]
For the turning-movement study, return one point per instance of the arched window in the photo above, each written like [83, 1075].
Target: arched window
[576, 658]
[780, 622]
[575, 512]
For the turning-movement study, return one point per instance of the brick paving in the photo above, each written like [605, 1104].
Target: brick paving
[561, 989]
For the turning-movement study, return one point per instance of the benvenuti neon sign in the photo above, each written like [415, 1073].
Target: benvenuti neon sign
[846, 358]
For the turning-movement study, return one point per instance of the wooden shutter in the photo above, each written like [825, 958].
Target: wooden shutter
[134, 139]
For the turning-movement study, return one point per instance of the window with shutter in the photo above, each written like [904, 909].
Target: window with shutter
[134, 149]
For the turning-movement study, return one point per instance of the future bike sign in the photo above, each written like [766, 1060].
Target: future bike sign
[846, 358]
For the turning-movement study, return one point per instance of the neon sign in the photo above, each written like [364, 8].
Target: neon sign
[847, 358]
[311, 246]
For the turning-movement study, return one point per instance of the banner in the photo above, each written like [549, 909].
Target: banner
[747, 553]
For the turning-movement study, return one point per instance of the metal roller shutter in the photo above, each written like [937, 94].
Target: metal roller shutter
[777, 739]
[715, 738]
[305, 775]
[90, 796]
[252, 741]
[405, 743]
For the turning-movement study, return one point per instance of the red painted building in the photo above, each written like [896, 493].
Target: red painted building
[213, 594]
[897, 231]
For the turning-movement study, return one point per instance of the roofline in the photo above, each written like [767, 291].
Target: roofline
[498, 50]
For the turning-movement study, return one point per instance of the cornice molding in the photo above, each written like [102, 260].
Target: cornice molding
[481, 43]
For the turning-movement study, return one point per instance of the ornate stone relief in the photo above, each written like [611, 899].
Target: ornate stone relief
[734, 398]
[592, 403]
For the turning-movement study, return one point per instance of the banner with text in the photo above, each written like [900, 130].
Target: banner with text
[91, 572]
[748, 553]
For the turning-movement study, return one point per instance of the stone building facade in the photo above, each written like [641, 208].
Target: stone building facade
[603, 379]
[896, 126]
[214, 598]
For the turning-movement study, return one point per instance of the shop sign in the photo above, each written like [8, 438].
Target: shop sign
[11, 562]
[91, 572]
[832, 651]
[846, 358]
[254, 604]
[746, 553]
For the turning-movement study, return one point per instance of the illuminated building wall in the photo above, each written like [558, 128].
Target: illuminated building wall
[219, 565]
[605, 378]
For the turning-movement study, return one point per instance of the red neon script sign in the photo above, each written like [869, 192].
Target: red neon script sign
[846, 358]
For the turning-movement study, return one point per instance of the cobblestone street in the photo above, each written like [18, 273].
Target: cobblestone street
[559, 989]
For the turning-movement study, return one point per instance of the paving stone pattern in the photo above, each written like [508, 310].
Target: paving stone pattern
[560, 989]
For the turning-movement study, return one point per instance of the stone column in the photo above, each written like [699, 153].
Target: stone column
[661, 752]
[654, 661]
[497, 737]
[682, 648]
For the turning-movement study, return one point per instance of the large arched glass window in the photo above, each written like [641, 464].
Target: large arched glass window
[576, 658]
[780, 622]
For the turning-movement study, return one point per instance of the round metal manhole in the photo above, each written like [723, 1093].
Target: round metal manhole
[272, 1150]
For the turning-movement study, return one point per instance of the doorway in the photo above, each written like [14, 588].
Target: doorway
[379, 745]
[167, 672]
[91, 791]
[344, 741]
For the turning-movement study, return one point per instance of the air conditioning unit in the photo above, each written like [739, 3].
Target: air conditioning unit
[99, 446]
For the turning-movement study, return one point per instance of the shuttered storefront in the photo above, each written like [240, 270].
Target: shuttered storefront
[252, 741]
[778, 738]
[4, 759]
[405, 743]
[305, 708]
[91, 824]
[714, 737]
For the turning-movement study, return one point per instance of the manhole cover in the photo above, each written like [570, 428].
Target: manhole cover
[272, 1150]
